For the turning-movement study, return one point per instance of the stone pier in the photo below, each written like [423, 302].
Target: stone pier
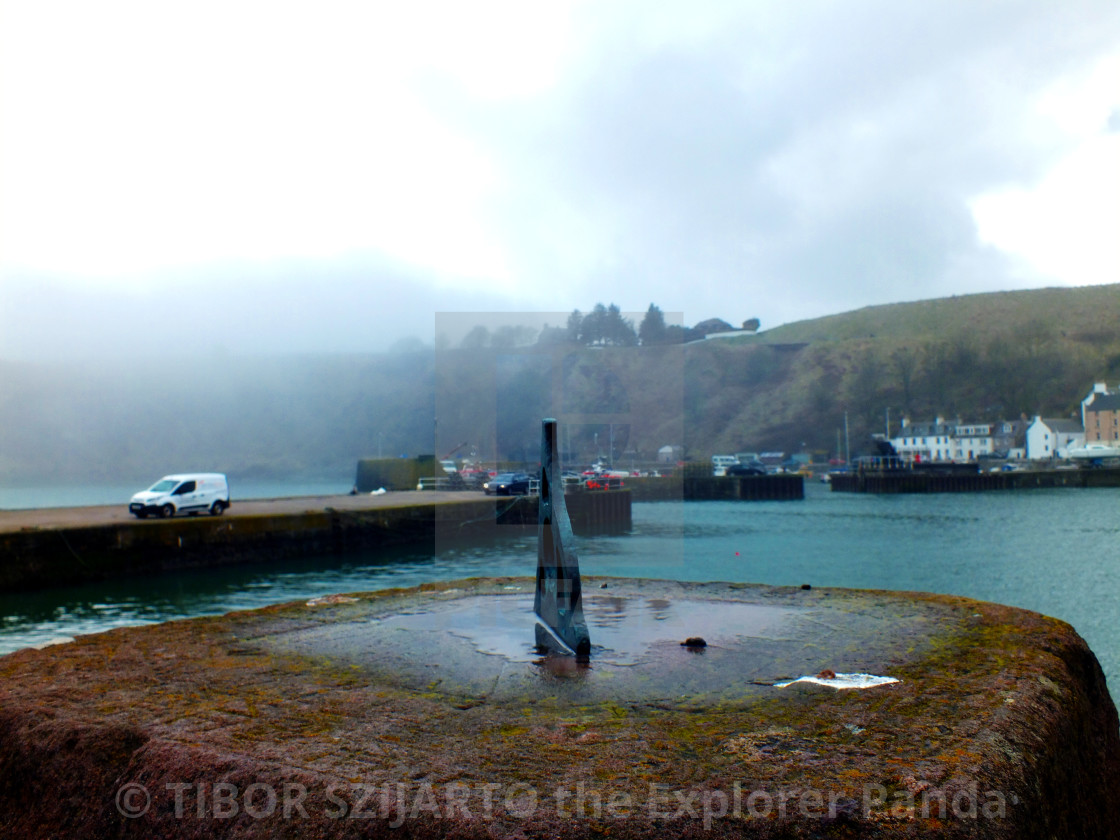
[428, 712]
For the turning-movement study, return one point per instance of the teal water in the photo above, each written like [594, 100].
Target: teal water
[1053, 551]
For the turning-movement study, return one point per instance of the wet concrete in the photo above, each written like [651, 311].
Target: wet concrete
[482, 646]
[426, 713]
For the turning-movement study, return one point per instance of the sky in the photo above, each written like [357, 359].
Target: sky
[242, 177]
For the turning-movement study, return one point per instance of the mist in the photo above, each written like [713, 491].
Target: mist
[267, 418]
[775, 160]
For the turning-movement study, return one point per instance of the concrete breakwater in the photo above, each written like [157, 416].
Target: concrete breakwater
[418, 713]
[41, 549]
[915, 481]
[748, 488]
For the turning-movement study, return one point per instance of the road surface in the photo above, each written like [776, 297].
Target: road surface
[85, 517]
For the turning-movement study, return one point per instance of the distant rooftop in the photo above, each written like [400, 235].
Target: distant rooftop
[1104, 402]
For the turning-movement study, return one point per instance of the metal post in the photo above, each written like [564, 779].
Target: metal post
[558, 603]
[847, 444]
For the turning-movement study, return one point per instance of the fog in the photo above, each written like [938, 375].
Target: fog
[277, 418]
[260, 179]
[197, 211]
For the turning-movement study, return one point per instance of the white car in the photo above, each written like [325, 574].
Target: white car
[185, 493]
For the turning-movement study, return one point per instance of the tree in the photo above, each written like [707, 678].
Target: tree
[593, 330]
[477, 338]
[676, 334]
[552, 336]
[864, 388]
[575, 326]
[905, 361]
[511, 335]
[711, 327]
[618, 331]
[652, 329]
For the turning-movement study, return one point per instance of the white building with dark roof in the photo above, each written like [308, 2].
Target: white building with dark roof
[923, 442]
[941, 441]
[1053, 437]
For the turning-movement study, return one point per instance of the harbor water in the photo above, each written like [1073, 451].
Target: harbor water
[1053, 551]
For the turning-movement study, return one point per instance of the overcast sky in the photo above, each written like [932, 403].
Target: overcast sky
[239, 176]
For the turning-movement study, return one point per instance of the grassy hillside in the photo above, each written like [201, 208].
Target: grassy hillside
[978, 357]
[1081, 314]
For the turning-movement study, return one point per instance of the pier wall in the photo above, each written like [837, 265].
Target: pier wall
[747, 488]
[919, 482]
[39, 558]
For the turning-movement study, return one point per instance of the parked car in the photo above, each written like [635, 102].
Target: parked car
[746, 469]
[187, 493]
[507, 484]
[721, 463]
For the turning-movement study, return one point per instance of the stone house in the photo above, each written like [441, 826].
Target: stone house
[1102, 418]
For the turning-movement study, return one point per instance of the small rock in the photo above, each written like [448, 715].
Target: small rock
[694, 642]
[806, 586]
[602, 586]
[826, 674]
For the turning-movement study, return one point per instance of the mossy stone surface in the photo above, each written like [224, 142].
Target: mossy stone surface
[424, 712]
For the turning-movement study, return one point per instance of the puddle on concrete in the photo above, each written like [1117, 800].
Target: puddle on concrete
[623, 629]
[483, 645]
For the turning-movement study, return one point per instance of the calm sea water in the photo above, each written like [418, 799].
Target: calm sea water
[1054, 551]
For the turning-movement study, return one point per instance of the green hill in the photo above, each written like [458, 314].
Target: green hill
[980, 357]
[1082, 314]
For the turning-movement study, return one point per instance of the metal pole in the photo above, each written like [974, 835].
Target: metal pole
[847, 442]
[558, 604]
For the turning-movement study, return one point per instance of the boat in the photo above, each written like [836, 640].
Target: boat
[1093, 452]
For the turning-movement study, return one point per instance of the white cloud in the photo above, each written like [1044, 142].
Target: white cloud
[765, 159]
[142, 136]
[1063, 228]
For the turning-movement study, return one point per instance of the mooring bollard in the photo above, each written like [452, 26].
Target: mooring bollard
[558, 603]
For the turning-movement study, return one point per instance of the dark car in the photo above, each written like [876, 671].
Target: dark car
[746, 469]
[507, 484]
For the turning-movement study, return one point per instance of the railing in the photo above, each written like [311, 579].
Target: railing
[443, 483]
[882, 463]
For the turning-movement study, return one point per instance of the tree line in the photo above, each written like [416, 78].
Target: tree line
[603, 326]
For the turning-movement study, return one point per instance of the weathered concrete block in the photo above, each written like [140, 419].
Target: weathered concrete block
[425, 713]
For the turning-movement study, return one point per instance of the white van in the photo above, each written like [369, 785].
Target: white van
[187, 493]
[720, 463]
